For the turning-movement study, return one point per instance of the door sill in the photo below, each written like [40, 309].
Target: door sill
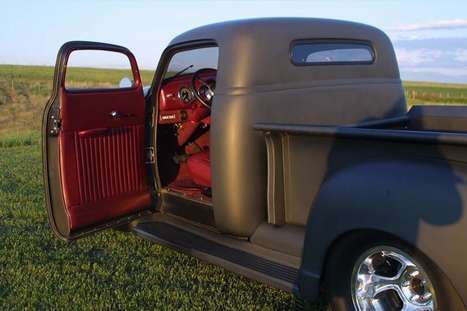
[192, 210]
[239, 256]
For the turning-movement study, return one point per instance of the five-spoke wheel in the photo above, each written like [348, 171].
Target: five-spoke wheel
[374, 272]
[386, 278]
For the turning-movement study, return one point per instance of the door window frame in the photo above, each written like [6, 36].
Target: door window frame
[153, 94]
[103, 47]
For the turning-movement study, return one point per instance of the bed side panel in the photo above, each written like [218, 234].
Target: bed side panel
[414, 191]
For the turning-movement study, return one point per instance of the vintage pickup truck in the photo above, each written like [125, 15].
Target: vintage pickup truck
[278, 148]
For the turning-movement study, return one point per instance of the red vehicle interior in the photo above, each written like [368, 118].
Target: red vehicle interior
[183, 131]
[101, 157]
[101, 142]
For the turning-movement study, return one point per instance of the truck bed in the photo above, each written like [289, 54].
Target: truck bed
[425, 132]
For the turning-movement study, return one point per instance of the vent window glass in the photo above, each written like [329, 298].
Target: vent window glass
[190, 61]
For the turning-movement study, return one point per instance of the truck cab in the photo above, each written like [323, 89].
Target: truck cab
[274, 148]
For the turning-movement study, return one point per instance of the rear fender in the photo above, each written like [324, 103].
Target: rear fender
[421, 202]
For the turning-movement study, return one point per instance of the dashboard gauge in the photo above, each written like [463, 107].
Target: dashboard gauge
[185, 94]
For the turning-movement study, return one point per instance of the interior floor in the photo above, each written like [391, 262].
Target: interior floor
[185, 185]
[185, 167]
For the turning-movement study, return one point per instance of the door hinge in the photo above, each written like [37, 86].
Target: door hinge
[54, 122]
[150, 155]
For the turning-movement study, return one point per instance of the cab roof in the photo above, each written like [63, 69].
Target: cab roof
[256, 52]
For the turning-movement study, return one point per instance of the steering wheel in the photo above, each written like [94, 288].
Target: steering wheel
[205, 92]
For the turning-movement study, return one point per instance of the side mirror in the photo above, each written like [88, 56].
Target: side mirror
[125, 83]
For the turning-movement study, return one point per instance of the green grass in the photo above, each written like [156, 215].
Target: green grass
[109, 270]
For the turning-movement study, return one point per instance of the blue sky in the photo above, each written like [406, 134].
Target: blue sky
[430, 36]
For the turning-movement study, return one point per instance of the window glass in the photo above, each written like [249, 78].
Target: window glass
[94, 69]
[192, 60]
[316, 53]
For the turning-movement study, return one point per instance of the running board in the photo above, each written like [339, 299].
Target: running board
[238, 261]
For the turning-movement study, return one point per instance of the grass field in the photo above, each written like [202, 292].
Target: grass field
[435, 93]
[109, 270]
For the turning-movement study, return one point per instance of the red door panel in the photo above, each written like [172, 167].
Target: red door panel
[103, 175]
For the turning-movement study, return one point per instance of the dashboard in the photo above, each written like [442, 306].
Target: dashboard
[177, 100]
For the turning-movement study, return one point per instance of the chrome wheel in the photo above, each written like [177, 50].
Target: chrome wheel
[386, 278]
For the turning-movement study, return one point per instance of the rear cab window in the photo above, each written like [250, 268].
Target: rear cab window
[331, 52]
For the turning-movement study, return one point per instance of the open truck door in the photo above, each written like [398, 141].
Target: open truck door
[94, 140]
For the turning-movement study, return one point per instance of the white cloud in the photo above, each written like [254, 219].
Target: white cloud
[455, 72]
[446, 24]
[432, 53]
[460, 55]
[413, 57]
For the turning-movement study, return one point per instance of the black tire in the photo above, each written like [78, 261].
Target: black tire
[341, 261]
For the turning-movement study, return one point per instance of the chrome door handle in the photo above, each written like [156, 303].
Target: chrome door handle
[114, 114]
[117, 115]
